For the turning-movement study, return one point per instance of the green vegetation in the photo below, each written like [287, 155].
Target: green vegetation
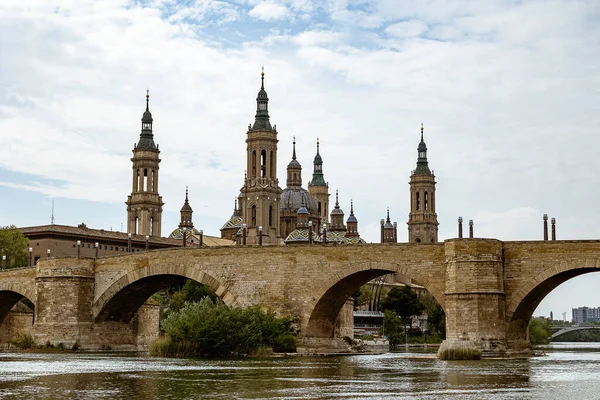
[436, 317]
[13, 245]
[463, 353]
[539, 331]
[23, 341]
[208, 329]
[404, 302]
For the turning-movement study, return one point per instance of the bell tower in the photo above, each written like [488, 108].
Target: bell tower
[259, 200]
[319, 189]
[144, 205]
[422, 219]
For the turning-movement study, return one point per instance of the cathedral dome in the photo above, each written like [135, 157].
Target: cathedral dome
[293, 198]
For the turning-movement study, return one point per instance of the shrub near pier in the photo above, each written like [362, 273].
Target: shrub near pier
[207, 329]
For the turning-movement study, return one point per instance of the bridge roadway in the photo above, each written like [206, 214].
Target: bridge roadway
[488, 288]
[566, 329]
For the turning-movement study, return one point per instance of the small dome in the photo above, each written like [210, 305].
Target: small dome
[294, 164]
[388, 225]
[186, 207]
[337, 211]
[147, 117]
[422, 146]
[352, 218]
[302, 210]
[292, 198]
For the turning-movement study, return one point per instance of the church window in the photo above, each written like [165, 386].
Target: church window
[254, 164]
[145, 184]
[137, 226]
[425, 201]
[253, 215]
[152, 182]
[319, 207]
[262, 106]
[271, 168]
[270, 215]
[137, 181]
[418, 201]
[151, 225]
[263, 164]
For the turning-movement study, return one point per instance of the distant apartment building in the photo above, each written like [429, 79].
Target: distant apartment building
[586, 314]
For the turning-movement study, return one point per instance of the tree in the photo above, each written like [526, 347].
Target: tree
[436, 318]
[393, 329]
[362, 296]
[539, 331]
[13, 245]
[403, 301]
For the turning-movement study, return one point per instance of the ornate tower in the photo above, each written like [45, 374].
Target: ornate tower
[389, 232]
[422, 220]
[186, 214]
[352, 223]
[319, 189]
[259, 200]
[337, 217]
[144, 205]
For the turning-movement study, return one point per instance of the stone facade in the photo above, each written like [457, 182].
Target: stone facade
[488, 288]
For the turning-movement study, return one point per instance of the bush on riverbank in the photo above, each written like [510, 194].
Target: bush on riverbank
[23, 341]
[208, 329]
[462, 353]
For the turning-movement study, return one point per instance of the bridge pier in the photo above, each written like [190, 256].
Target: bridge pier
[474, 296]
[64, 311]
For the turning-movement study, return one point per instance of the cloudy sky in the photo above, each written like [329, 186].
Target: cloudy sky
[508, 92]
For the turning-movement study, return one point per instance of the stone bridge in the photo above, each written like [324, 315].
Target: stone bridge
[488, 288]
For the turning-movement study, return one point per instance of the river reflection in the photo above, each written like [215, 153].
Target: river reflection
[567, 372]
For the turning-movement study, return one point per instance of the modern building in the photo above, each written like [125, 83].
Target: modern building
[586, 314]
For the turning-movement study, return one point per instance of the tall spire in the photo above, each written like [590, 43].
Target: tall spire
[294, 169]
[261, 120]
[146, 136]
[388, 215]
[422, 164]
[337, 203]
[294, 151]
[318, 179]
[351, 207]
[186, 213]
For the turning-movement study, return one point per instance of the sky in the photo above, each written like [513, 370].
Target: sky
[508, 93]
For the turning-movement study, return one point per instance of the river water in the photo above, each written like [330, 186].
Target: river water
[568, 371]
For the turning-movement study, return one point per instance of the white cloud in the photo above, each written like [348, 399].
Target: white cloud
[269, 11]
[406, 29]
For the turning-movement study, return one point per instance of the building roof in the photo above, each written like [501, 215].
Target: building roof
[292, 198]
[301, 236]
[84, 233]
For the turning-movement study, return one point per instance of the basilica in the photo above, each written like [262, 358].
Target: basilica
[264, 213]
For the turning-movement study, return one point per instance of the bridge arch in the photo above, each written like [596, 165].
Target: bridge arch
[126, 295]
[11, 294]
[330, 297]
[568, 329]
[526, 299]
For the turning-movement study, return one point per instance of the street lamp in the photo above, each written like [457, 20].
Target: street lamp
[310, 232]
[147, 242]
[184, 236]
[201, 238]
[129, 242]
[244, 226]
[30, 253]
[260, 235]
[78, 248]
[48, 252]
[96, 246]
[3, 262]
